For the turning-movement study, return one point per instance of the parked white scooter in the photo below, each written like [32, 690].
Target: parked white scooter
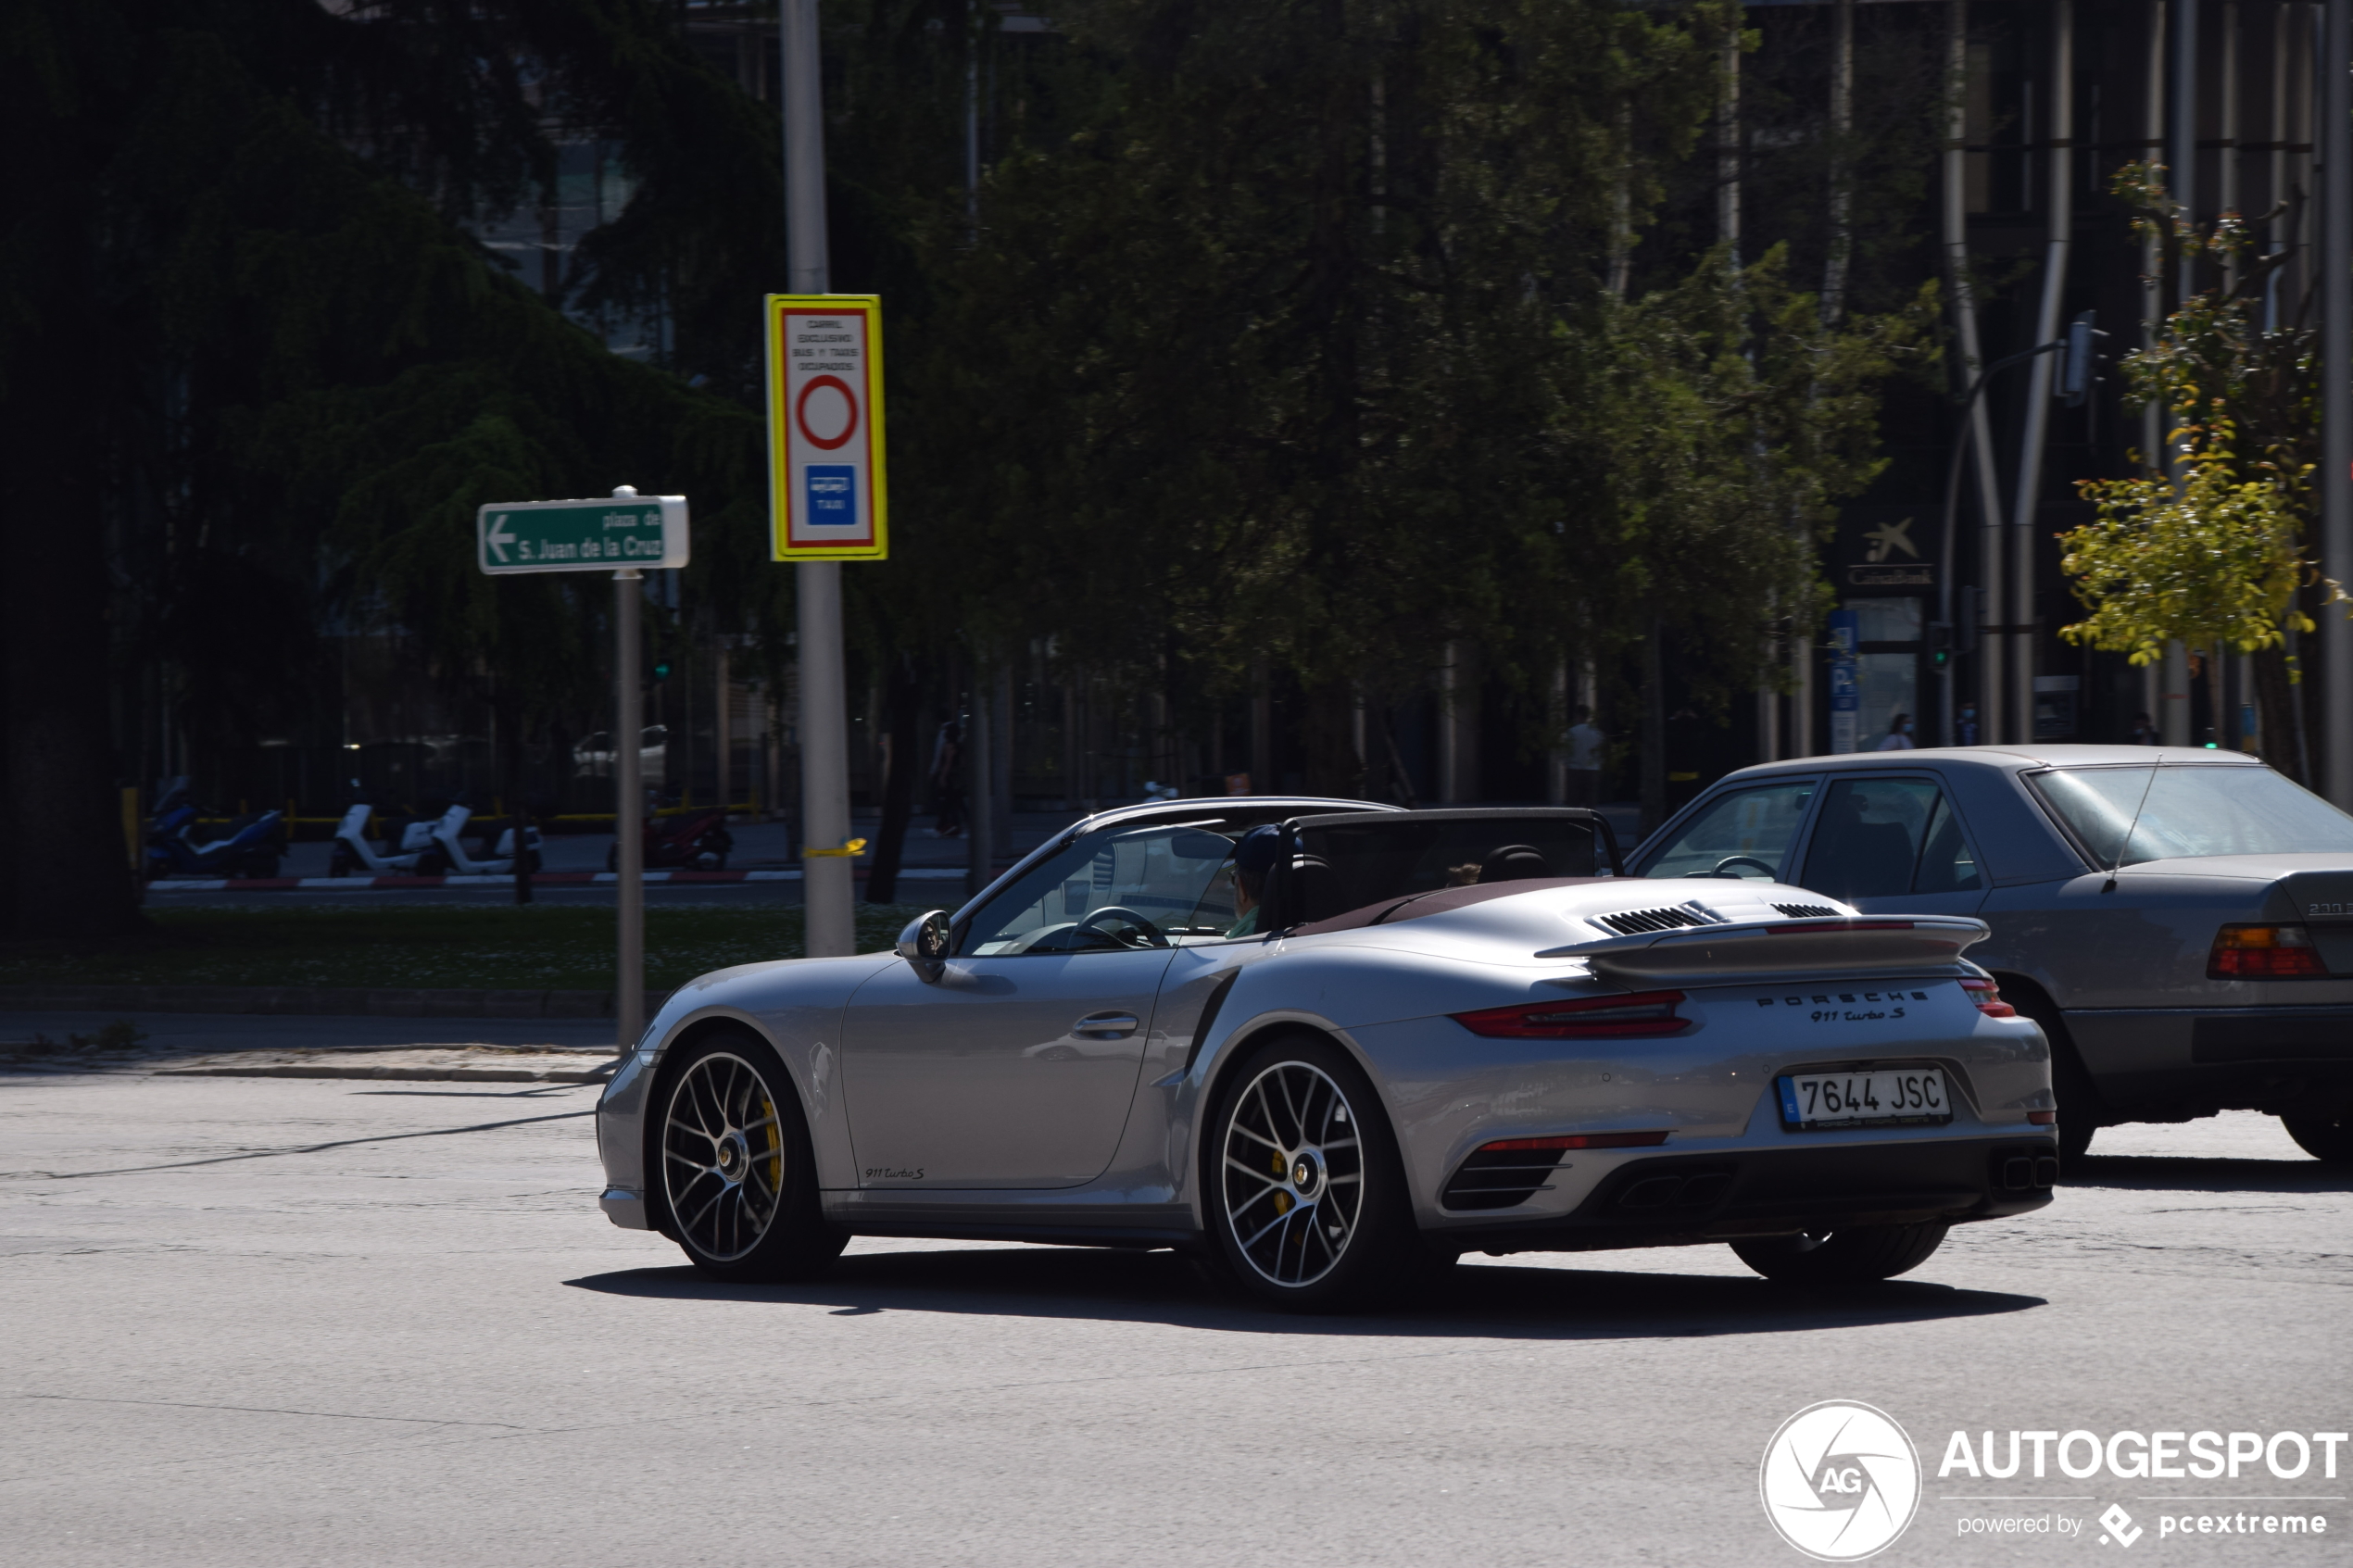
[453, 821]
[352, 851]
[426, 848]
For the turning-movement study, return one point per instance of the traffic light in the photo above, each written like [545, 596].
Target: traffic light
[2075, 363]
[661, 669]
[1940, 644]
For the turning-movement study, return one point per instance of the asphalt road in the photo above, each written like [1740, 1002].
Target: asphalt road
[260, 1322]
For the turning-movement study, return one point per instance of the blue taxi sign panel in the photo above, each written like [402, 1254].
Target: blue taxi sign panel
[825, 481]
[512, 537]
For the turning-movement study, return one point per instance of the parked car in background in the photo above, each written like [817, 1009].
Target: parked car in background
[593, 756]
[2179, 922]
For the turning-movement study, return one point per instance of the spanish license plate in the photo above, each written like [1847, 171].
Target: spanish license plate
[1883, 1096]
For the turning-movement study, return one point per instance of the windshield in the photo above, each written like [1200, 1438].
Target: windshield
[2183, 811]
[1117, 889]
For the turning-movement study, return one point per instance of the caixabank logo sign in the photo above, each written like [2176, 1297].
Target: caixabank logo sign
[1840, 1482]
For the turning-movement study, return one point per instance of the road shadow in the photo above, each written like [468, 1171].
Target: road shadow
[1484, 1303]
[2174, 1173]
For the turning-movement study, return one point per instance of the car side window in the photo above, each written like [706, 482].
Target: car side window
[1746, 833]
[1112, 891]
[1947, 864]
[1881, 838]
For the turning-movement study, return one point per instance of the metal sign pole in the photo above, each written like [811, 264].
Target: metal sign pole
[628, 790]
[828, 883]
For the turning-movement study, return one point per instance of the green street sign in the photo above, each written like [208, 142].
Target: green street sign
[625, 529]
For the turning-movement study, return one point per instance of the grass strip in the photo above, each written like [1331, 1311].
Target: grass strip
[531, 947]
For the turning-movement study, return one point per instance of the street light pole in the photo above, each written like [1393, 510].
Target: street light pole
[2060, 200]
[2335, 149]
[1988, 596]
[827, 885]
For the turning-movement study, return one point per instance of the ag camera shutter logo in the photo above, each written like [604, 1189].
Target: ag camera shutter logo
[1840, 1481]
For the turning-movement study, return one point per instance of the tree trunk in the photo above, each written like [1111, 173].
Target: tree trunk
[2275, 713]
[64, 868]
[1654, 783]
[510, 769]
[1329, 750]
[900, 693]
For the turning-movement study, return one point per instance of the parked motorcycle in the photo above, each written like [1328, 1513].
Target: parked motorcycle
[251, 848]
[691, 840]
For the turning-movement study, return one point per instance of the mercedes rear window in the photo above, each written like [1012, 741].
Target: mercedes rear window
[2180, 812]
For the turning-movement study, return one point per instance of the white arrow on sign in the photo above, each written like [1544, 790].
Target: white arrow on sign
[498, 538]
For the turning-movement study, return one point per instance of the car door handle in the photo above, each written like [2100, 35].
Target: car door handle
[1109, 1024]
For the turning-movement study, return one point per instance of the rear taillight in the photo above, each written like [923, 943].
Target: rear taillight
[1646, 1012]
[2263, 952]
[1837, 928]
[1988, 997]
[1578, 1140]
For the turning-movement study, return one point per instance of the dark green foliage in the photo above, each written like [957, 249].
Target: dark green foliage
[278, 380]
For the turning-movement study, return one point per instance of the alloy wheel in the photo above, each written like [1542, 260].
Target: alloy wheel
[1293, 1173]
[723, 1157]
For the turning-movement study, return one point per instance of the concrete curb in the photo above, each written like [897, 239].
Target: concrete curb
[412, 1074]
[316, 1001]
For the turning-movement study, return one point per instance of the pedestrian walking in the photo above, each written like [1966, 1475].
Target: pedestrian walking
[1584, 760]
[1898, 737]
[948, 780]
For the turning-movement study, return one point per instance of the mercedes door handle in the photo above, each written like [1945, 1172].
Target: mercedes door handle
[1108, 1025]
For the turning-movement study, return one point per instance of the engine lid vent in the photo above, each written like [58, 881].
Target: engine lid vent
[1806, 911]
[1637, 922]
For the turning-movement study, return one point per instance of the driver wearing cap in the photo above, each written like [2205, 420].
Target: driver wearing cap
[1255, 854]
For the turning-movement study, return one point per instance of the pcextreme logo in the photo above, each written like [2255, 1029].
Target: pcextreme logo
[1840, 1481]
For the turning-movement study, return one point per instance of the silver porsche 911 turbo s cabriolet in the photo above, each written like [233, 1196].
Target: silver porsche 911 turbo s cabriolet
[1391, 1038]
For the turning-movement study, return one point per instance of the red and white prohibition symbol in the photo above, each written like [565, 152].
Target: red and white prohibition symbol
[835, 411]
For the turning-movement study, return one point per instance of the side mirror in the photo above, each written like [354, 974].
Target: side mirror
[925, 941]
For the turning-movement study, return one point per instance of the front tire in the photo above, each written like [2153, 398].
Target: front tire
[2326, 1137]
[738, 1176]
[1308, 1205]
[1857, 1255]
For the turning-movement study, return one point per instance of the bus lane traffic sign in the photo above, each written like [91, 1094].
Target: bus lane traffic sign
[827, 498]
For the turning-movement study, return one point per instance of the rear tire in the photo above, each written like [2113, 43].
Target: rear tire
[736, 1173]
[1859, 1255]
[1308, 1207]
[2323, 1136]
[2080, 1112]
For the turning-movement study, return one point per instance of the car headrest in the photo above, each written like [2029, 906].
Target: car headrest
[1513, 862]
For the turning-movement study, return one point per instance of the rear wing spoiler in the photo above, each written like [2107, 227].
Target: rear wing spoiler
[1841, 944]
